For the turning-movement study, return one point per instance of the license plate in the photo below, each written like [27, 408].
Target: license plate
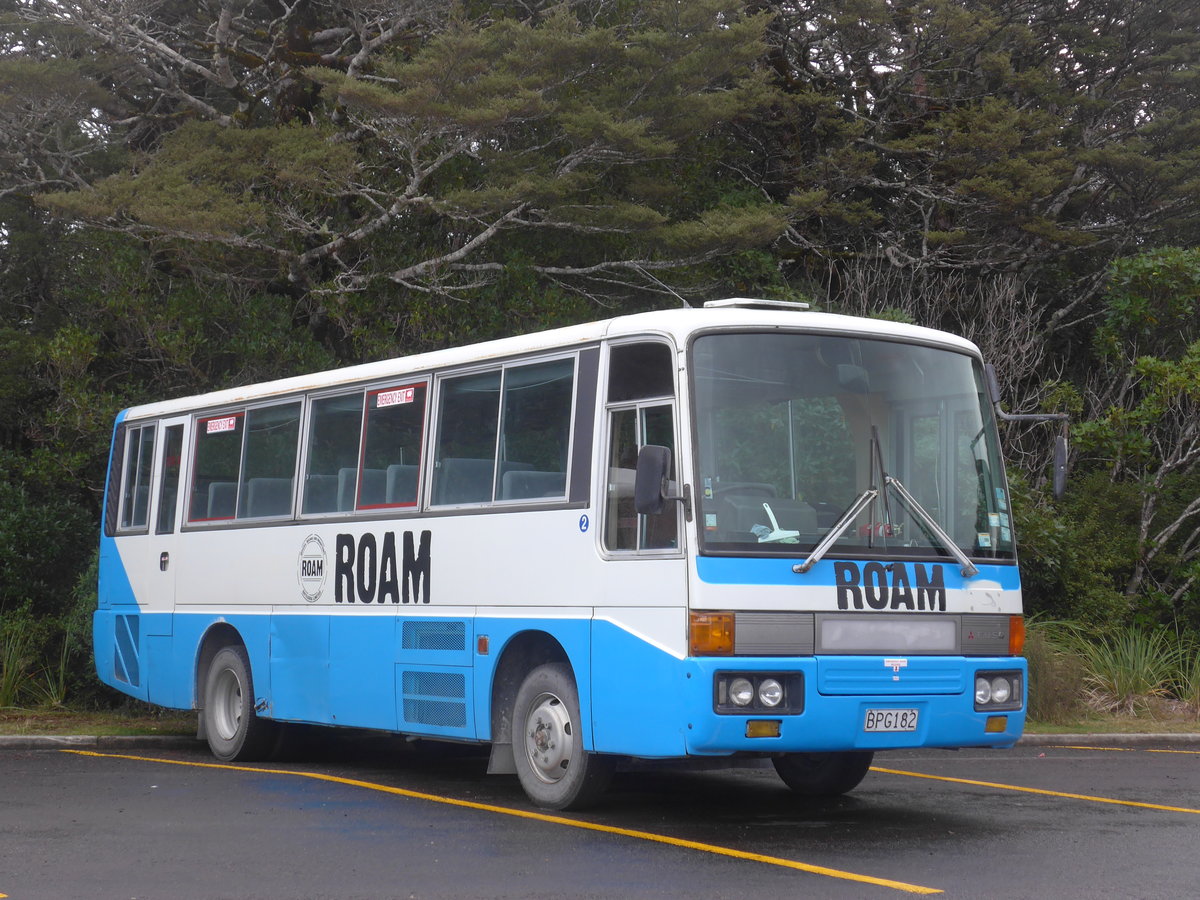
[891, 720]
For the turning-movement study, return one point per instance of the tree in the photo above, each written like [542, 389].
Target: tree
[1034, 140]
[201, 194]
[1144, 405]
[438, 164]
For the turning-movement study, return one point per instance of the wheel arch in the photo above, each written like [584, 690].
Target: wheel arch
[218, 636]
[521, 655]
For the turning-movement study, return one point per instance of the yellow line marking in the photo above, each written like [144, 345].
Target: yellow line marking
[1116, 749]
[1029, 790]
[542, 817]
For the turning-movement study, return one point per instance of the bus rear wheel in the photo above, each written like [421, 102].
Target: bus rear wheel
[233, 729]
[554, 768]
[823, 774]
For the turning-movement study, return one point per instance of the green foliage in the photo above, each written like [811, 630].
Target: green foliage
[221, 183]
[489, 168]
[1151, 304]
[549, 139]
[1075, 555]
[44, 540]
[970, 138]
[1187, 685]
[45, 656]
[14, 663]
[1144, 427]
[1056, 673]
[1128, 669]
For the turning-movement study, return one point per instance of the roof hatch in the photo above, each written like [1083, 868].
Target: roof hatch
[750, 303]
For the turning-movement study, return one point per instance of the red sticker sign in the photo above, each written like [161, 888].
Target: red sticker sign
[396, 397]
[219, 426]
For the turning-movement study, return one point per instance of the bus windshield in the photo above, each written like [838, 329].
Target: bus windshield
[875, 447]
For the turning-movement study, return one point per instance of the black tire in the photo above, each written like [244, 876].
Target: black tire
[823, 774]
[554, 768]
[233, 729]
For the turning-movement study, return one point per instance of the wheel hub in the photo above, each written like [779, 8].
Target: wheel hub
[549, 738]
[227, 704]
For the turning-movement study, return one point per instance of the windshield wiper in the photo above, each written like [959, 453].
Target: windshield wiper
[836, 531]
[874, 457]
[932, 528]
[969, 569]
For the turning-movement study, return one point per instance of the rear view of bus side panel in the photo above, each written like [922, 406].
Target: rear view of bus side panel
[117, 623]
[117, 629]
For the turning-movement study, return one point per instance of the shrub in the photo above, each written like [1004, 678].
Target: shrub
[1127, 669]
[14, 661]
[1187, 682]
[1056, 674]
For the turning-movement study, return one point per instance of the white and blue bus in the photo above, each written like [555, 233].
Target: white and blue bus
[746, 529]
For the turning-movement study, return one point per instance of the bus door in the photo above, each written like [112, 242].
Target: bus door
[640, 629]
[161, 547]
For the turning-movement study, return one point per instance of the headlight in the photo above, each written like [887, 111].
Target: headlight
[1001, 690]
[741, 692]
[770, 693]
[749, 693]
[998, 691]
[983, 691]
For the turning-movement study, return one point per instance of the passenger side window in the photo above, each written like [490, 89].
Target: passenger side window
[638, 371]
[218, 460]
[391, 459]
[465, 466]
[535, 439]
[505, 435]
[168, 490]
[630, 430]
[331, 470]
[245, 464]
[269, 467]
[139, 461]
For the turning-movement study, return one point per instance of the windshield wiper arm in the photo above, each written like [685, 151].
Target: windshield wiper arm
[969, 569]
[835, 532]
[932, 527]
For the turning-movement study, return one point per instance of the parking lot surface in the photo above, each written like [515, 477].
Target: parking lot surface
[376, 817]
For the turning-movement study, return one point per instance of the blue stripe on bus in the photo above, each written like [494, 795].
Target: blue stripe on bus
[763, 571]
[415, 675]
[635, 698]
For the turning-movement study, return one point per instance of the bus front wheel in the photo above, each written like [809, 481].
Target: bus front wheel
[823, 774]
[554, 768]
[234, 731]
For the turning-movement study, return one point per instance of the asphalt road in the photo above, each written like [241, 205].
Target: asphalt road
[379, 818]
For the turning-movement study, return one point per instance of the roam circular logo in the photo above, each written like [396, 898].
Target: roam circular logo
[311, 568]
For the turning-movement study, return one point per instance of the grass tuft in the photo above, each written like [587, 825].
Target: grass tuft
[1056, 674]
[1127, 671]
[13, 660]
[1187, 682]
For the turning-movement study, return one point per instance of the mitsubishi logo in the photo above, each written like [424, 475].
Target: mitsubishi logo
[895, 665]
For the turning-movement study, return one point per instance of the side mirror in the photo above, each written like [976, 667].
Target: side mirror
[1059, 476]
[1060, 466]
[993, 383]
[650, 483]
